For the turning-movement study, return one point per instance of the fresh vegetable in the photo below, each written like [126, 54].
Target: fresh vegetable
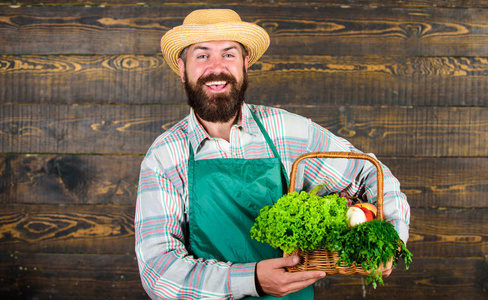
[302, 221]
[373, 244]
[306, 221]
[355, 216]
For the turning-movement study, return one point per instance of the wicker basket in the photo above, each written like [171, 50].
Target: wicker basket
[323, 259]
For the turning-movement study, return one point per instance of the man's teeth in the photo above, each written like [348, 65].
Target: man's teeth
[215, 83]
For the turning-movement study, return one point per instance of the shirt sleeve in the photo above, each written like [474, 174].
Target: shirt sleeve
[167, 270]
[355, 178]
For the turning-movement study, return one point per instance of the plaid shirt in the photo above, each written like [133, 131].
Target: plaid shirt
[161, 219]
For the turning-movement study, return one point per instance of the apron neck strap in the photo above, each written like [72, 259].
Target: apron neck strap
[273, 148]
[266, 136]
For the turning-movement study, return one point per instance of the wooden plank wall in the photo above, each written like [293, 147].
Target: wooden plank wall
[84, 91]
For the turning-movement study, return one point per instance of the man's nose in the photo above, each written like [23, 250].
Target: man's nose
[217, 64]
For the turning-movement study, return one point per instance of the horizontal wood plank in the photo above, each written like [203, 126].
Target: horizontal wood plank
[442, 182]
[109, 229]
[448, 232]
[62, 228]
[333, 3]
[88, 79]
[83, 179]
[131, 129]
[309, 80]
[102, 179]
[303, 30]
[69, 276]
[75, 276]
[86, 128]
[369, 80]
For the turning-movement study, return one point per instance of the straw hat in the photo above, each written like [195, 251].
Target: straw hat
[213, 25]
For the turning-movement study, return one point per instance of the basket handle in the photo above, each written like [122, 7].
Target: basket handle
[379, 181]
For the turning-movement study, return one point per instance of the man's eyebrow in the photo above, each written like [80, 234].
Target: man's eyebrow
[200, 48]
[207, 48]
[230, 48]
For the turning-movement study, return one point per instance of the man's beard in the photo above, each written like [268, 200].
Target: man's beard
[219, 108]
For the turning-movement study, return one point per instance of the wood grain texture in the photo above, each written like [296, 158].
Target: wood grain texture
[369, 80]
[104, 179]
[274, 80]
[88, 79]
[64, 228]
[85, 128]
[448, 232]
[108, 229]
[293, 30]
[442, 182]
[69, 276]
[333, 3]
[75, 276]
[385, 131]
[71, 179]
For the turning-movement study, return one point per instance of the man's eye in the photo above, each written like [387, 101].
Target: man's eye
[228, 55]
[202, 56]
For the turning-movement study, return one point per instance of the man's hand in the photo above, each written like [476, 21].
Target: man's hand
[387, 269]
[274, 280]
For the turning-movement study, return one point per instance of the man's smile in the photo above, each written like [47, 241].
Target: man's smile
[216, 85]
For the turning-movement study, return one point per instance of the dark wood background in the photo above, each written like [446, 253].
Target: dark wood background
[84, 91]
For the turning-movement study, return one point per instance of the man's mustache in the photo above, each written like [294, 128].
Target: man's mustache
[217, 77]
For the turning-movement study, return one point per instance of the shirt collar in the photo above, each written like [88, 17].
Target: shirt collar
[247, 122]
[197, 134]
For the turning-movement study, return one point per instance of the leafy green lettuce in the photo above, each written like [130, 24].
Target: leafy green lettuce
[302, 221]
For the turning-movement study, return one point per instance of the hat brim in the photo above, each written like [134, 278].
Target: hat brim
[254, 38]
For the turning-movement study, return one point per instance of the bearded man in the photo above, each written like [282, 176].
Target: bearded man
[204, 181]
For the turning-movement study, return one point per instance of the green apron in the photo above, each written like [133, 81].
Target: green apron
[225, 197]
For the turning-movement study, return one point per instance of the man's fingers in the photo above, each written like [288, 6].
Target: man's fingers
[283, 262]
[300, 280]
[290, 261]
[299, 276]
[387, 269]
[305, 275]
[297, 286]
[274, 280]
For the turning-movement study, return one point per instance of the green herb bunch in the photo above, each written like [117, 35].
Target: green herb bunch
[373, 244]
[302, 221]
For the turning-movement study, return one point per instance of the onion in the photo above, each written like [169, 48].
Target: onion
[355, 216]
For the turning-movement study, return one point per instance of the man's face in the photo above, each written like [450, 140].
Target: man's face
[215, 77]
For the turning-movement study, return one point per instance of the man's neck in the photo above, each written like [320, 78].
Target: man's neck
[218, 130]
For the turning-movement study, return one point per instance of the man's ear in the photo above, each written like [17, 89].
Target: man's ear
[246, 63]
[181, 68]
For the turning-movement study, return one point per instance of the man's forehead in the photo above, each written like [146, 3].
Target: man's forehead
[215, 45]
